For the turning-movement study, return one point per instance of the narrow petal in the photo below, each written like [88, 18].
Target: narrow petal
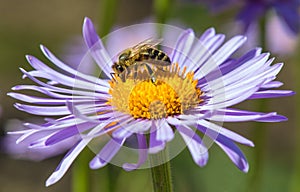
[234, 115]
[96, 47]
[70, 70]
[220, 56]
[197, 148]
[107, 153]
[69, 158]
[43, 110]
[207, 34]
[224, 140]
[46, 72]
[183, 46]
[89, 33]
[202, 51]
[214, 131]
[164, 131]
[155, 145]
[137, 126]
[272, 84]
[68, 132]
[271, 94]
[143, 154]
[234, 153]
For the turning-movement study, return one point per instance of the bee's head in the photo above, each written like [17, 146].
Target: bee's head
[118, 68]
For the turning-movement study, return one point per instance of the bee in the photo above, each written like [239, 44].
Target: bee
[144, 54]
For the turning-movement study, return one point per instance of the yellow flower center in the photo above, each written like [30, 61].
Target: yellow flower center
[171, 93]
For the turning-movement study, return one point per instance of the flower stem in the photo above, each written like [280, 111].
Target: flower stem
[161, 174]
[259, 131]
[161, 9]
[81, 172]
[107, 16]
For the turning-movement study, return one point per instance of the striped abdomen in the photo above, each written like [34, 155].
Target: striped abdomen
[155, 54]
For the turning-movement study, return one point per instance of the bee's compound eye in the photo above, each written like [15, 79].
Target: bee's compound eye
[120, 68]
[123, 57]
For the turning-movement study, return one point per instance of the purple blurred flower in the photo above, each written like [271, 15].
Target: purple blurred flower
[24, 151]
[195, 91]
[252, 10]
[288, 10]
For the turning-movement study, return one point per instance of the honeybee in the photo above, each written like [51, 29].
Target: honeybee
[144, 54]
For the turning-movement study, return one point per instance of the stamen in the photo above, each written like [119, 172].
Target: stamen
[173, 92]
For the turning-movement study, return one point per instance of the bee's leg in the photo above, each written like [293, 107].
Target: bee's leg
[151, 73]
[113, 76]
[123, 75]
[135, 72]
[161, 69]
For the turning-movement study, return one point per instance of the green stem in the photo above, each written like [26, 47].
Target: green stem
[161, 9]
[81, 172]
[161, 174]
[259, 130]
[107, 16]
[112, 175]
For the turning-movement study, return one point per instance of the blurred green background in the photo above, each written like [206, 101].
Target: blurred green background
[26, 24]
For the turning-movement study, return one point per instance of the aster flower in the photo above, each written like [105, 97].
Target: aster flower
[287, 10]
[252, 10]
[187, 97]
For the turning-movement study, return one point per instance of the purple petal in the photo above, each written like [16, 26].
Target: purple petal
[36, 100]
[240, 95]
[203, 51]
[271, 94]
[234, 153]
[214, 131]
[70, 157]
[96, 47]
[45, 110]
[271, 84]
[22, 151]
[89, 33]
[164, 131]
[66, 162]
[234, 115]
[245, 58]
[70, 70]
[207, 34]
[226, 143]
[183, 46]
[220, 56]
[155, 145]
[143, 154]
[68, 132]
[137, 126]
[46, 72]
[197, 148]
[107, 153]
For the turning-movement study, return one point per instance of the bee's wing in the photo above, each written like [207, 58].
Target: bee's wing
[150, 42]
[155, 62]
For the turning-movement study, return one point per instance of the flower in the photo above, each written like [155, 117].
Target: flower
[252, 10]
[286, 9]
[187, 97]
